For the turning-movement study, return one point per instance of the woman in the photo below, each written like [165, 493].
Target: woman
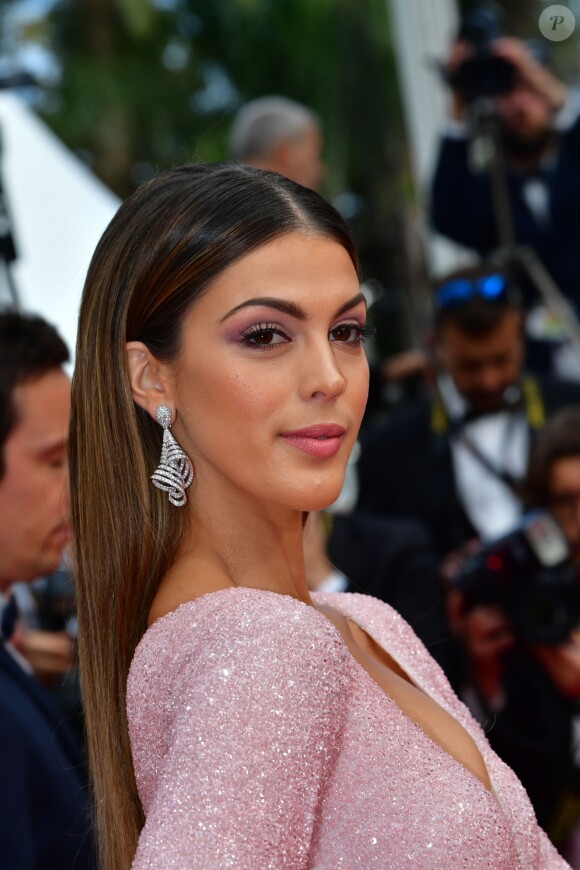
[221, 325]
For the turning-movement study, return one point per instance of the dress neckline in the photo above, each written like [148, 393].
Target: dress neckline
[346, 612]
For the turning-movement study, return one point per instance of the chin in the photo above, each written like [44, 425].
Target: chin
[319, 499]
[312, 505]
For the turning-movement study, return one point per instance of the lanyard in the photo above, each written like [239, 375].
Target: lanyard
[531, 403]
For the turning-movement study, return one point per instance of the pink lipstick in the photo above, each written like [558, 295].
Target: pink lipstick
[322, 439]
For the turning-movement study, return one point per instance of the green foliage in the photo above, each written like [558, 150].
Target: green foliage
[159, 68]
[147, 84]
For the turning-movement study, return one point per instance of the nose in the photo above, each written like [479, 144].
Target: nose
[491, 380]
[321, 378]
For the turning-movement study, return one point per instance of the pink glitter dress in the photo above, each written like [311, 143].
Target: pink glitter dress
[259, 742]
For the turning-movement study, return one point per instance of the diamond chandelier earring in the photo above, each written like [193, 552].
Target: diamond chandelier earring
[175, 470]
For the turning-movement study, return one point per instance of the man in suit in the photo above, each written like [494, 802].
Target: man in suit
[44, 820]
[454, 460]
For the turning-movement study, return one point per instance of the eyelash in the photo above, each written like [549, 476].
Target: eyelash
[363, 332]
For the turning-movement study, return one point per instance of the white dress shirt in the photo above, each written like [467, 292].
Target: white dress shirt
[503, 438]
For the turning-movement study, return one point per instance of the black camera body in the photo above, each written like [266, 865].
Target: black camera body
[527, 572]
[484, 74]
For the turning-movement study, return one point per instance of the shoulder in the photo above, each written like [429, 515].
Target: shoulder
[232, 611]
[237, 665]
[380, 620]
[363, 609]
[394, 634]
[241, 627]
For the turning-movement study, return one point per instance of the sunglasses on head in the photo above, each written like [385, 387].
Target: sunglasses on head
[460, 290]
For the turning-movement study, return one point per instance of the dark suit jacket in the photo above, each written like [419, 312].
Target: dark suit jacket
[462, 207]
[406, 469]
[44, 819]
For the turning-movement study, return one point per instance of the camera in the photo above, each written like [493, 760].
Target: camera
[483, 74]
[527, 572]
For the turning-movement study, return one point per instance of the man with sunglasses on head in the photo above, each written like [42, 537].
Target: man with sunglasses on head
[454, 459]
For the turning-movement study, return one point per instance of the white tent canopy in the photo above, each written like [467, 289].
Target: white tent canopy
[58, 212]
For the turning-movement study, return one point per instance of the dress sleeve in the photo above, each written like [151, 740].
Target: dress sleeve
[255, 712]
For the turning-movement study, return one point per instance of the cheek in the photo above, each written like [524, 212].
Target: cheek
[359, 390]
[250, 396]
[22, 489]
[227, 400]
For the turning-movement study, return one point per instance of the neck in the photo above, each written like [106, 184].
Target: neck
[235, 540]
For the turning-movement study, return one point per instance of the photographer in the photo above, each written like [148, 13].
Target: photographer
[453, 460]
[535, 124]
[528, 685]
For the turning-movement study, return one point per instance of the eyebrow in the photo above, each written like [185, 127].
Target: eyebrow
[290, 308]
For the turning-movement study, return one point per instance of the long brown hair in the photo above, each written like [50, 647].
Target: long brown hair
[164, 247]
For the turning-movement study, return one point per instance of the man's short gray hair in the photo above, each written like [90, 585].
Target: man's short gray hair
[261, 124]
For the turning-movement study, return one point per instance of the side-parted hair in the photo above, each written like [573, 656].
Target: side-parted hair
[29, 348]
[163, 249]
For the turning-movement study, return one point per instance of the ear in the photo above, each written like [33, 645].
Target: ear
[150, 380]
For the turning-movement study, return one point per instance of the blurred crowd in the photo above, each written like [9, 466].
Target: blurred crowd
[461, 506]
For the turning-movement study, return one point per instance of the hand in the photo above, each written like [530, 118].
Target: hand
[49, 653]
[531, 72]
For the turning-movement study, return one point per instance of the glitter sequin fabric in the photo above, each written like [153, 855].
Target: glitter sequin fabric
[259, 742]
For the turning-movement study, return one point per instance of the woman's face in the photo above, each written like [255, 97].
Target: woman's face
[272, 380]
